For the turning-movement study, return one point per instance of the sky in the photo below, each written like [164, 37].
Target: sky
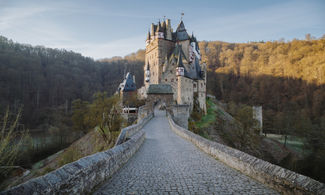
[107, 28]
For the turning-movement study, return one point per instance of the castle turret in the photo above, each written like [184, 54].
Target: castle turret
[180, 66]
[152, 31]
[160, 32]
[168, 30]
[181, 81]
[148, 39]
[163, 25]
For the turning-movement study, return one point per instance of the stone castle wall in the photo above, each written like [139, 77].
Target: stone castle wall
[156, 53]
[180, 114]
[283, 180]
[202, 94]
[185, 91]
[169, 77]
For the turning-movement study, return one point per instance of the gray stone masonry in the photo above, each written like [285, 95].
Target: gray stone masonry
[81, 176]
[283, 180]
[168, 164]
[129, 131]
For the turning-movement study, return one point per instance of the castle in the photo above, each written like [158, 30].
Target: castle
[173, 58]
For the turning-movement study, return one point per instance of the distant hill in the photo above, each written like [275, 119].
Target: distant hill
[45, 81]
[287, 78]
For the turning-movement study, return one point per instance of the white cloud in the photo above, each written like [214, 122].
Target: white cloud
[12, 16]
[25, 24]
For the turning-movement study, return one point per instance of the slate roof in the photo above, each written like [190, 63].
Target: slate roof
[128, 84]
[175, 53]
[180, 60]
[181, 33]
[160, 89]
[193, 71]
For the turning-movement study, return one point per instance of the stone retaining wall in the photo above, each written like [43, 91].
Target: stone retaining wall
[127, 132]
[180, 114]
[81, 176]
[283, 180]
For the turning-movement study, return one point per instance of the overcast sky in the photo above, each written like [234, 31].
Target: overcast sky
[107, 28]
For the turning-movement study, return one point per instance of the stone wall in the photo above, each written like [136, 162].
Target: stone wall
[202, 95]
[169, 77]
[180, 114]
[83, 175]
[185, 91]
[154, 98]
[143, 111]
[129, 131]
[283, 180]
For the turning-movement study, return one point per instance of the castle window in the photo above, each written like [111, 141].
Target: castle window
[194, 85]
[166, 80]
[171, 71]
[172, 80]
[201, 85]
[176, 79]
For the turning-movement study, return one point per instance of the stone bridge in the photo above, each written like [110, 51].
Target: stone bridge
[159, 157]
[168, 164]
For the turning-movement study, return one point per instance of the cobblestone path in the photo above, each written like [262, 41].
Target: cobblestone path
[168, 164]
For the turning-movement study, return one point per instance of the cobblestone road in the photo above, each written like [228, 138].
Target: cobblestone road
[168, 164]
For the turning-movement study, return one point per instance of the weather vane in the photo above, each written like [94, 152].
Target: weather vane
[182, 14]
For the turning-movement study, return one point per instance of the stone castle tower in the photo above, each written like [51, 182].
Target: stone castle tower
[174, 58]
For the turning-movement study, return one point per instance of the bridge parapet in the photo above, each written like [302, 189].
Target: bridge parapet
[281, 179]
[83, 175]
[129, 131]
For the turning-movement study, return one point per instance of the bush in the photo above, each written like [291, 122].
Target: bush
[11, 141]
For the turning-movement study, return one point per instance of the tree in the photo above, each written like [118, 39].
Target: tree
[11, 141]
[103, 113]
[80, 113]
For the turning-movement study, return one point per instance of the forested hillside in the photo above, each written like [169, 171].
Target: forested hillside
[45, 81]
[286, 78]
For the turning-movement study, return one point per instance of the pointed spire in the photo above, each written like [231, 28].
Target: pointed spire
[193, 39]
[152, 29]
[181, 26]
[179, 60]
[163, 25]
[148, 37]
[159, 27]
